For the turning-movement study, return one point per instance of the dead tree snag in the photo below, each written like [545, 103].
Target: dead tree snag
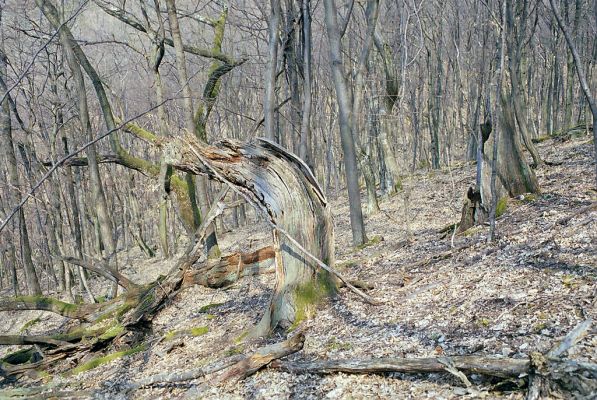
[282, 187]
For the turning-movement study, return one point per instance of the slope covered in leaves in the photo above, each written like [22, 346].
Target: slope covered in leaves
[441, 295]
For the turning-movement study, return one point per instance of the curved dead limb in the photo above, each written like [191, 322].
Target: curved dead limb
[186, 375]
[105, 271]
[41, 303]
[248, 365]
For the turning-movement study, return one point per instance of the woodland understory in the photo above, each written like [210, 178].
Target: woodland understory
[509, 299]
[297, 199]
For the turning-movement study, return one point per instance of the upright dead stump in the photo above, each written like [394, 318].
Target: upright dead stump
[283, 188]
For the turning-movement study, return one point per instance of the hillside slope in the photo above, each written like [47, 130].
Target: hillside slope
[441, 295]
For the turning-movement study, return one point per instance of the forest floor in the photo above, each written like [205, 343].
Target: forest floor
[440, 295]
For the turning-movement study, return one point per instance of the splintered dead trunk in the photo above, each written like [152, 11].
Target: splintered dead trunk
[514, 172]
[282, 187]
[514, 175]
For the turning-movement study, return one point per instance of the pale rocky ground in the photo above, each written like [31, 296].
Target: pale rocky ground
[517, 295]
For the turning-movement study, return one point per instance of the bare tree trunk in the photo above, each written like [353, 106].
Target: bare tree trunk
[156, 60]
[514, 42]
[346, 134]
[305, 147]
[496, 136]
[390, 96]
[269, 101]
[71, 49]
[371, 14]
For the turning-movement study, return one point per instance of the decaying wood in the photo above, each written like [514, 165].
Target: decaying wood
[231, 268]
[41, 303]
[572, 338]
[324, 266]
[262, 357]
[283, 188]
[185, 375]
[276, 183]
[544, 372]
[493, 366]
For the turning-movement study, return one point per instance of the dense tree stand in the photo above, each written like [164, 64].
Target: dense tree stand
[276, 183]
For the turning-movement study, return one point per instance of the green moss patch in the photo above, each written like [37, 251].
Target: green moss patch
[96, 362]
[473, 230]
[48, 302]
[112, 332]
[541, 139]
[29, 324]
[241, 337]
[373, 241]
[529, 197]
[235, 350]
[309, 295]
[208, 307]
[197, 331]
[335, 345]
[501, 206]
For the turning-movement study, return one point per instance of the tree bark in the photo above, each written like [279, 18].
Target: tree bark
[269, 101]
[212, 248]
[390, 96]
[75, 59]
[280, 185]
[346, 130]
[305, 146]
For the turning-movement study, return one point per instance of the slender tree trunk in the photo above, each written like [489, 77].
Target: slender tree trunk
[346, 134]
[305, 148]
[75, 57]
[269, 101]
[514, 43]
[211, 243]
[390, 96]
[156, 60]
[371, 14]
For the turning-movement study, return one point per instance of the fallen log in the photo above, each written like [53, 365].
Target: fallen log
[544, 372]
[41, 303]
[262, 357]
[493, 366]
[33, 339]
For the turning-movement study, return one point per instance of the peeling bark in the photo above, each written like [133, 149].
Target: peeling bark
[281, 186]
